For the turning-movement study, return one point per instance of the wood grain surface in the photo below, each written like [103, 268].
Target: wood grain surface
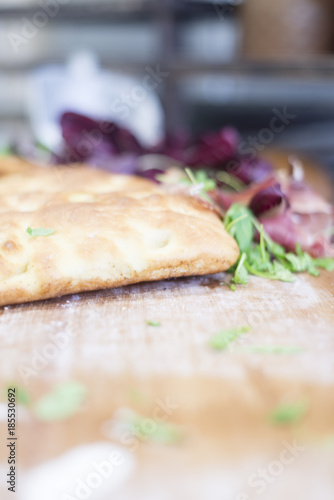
[220, 400]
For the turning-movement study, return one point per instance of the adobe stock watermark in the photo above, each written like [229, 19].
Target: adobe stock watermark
[57, 342]
[257, 143]
[41, 357]
[30, 26]
[84, 488]
[127, 101]
[121, 107]
[254, 144]
[265, 476]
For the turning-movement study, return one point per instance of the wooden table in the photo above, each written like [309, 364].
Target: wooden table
[220, 400]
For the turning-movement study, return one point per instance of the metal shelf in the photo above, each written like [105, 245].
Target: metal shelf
[83, 10]
[87, 11]
[309, 68]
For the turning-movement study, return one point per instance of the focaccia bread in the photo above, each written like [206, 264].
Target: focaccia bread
[109, 230]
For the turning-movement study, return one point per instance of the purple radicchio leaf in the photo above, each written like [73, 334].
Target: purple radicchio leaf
[249, 171]
[269, 202]
[214, 149]
[86, 138]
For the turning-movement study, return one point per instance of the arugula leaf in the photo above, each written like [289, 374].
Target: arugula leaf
[40, 231]
[230, 285]
[268, 259]
[221, 340]
[230, 180]
[288, 413]
[238, 223]
[274, 248]
[241, 273]
[63, 402]
[153, 323]
[324, 263]
[307, 261]
[201, 180]
[265, 257]
[295, 263]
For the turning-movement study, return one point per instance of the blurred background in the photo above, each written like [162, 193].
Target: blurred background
[265, 67]
[220, 62]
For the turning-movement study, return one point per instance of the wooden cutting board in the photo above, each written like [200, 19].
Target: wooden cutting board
[220, 400]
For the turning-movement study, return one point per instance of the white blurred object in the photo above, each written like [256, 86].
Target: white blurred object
[93, 471]
[81, 86]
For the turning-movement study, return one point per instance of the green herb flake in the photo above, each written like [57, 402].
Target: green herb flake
[153, 323]
[221, 340]
[230, 285]
[274, 349]
[22, 396]
[199, 177]
[268, 259]
[288, 413]
[230, 180]
[63, 402]
[241, 274]
[40, 231]
[276, 271]
[158, 432]
[326, 263]
[238, 223]
[202, 181]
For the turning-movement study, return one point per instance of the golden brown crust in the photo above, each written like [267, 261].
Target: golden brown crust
[109, 230]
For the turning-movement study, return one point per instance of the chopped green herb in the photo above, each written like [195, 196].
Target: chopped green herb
[277, 272]
[221, 340]
[288, 413]
[230, 180]
[153, 323]
[200, 177]
[202, 181]
[40, 231]
[241, 274]
[230, 285]
[149, 430]
[272, 349]
[235, 221]
[238, 223]
[21, 395]
[63, 402]
[264, 254]
[325, 263]
[268, 259]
